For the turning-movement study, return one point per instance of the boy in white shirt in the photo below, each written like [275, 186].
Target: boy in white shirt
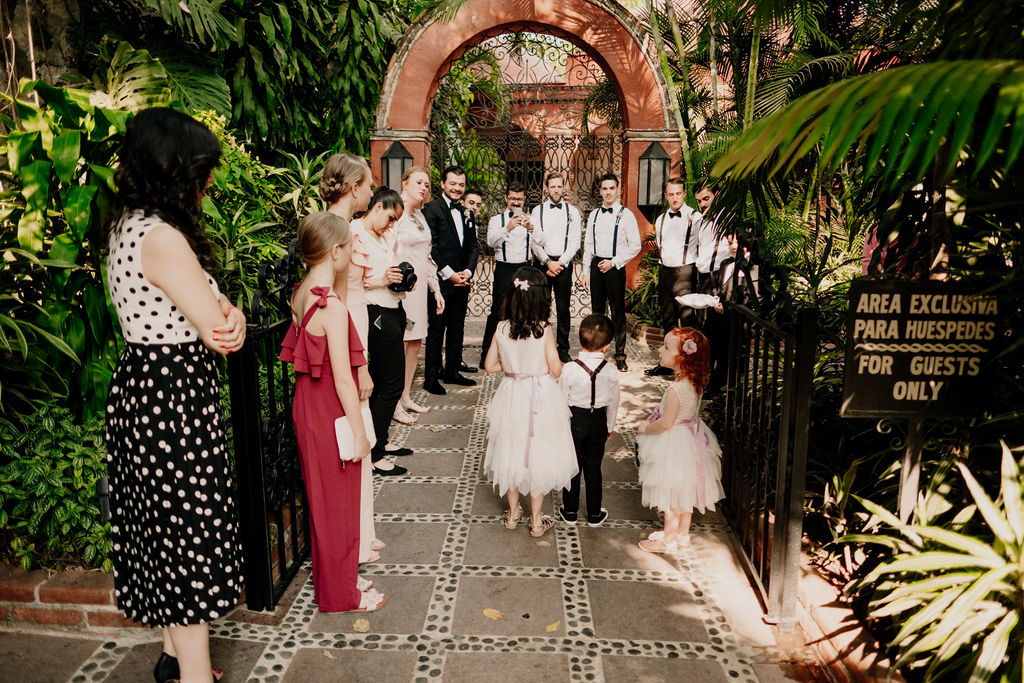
[591, 386]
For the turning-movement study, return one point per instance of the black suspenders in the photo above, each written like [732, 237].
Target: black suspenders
[615, 233]
[566, 245]
[593, 379]
[504, 256]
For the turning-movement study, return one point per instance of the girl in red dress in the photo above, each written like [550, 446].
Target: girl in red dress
[321, 330]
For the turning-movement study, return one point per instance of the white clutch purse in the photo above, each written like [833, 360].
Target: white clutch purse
[699, 300]
[346, 440]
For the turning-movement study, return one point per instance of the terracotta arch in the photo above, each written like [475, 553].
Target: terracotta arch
[602, 28]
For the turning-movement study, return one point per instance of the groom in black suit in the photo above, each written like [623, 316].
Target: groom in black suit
[454, 250]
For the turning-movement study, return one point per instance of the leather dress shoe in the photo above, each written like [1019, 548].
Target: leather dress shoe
[620, 363]
[657, 371]
[434, 388]
[393, 472]
[565, 358]
[460, 380]
[466, 367]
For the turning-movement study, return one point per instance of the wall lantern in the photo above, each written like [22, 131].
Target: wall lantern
[394, 164]
[654, 171]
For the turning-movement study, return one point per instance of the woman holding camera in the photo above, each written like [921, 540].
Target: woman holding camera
[414, 247]
[385, 287]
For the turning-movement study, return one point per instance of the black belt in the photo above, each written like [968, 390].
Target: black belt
[604, 258]
[588, 411]
[509, 263]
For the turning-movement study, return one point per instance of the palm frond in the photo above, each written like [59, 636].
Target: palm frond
[897, 117]
[199, 19]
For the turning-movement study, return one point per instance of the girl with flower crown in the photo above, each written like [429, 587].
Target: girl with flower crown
[529, 441]
[680, 460]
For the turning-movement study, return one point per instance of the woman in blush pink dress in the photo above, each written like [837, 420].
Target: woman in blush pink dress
[414, 247]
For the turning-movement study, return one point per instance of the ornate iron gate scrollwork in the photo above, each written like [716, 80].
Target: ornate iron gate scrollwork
[540, 104]
[271, 497]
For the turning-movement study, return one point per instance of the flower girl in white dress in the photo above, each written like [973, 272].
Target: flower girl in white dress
[680, 460]
[529, 442]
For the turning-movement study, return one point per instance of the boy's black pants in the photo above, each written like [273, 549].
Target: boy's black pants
[589, 434]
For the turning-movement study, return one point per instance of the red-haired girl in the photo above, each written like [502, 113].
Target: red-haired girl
[680, 460]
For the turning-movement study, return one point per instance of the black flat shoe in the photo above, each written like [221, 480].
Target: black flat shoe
[395, 471]
[460, 380]
[399, 451]
[657, 371]
[434, 388]
[166, 669]
[465, 367]
[621, 365]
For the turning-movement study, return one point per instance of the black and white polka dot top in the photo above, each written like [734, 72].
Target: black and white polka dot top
[146, 313]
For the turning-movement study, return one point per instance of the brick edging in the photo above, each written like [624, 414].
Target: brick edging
[79, 601]
[847, 648]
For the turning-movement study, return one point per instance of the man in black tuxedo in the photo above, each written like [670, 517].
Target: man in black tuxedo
[454, 250]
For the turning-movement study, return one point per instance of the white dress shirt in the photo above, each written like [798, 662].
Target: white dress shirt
[678, 236]
[575, 384]
[456, 212]
[510, 246]
[557, 231]
[600, 240]
[714, 249]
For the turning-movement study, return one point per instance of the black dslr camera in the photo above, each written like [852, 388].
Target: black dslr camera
[408, 278]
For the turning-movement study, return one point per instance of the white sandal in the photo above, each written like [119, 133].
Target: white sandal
[371, 601]
[414, 407]
[402, 417]
[363, 585]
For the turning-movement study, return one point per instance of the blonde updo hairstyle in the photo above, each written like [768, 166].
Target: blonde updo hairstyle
[414, 169]
[318, 233]
[342, 172]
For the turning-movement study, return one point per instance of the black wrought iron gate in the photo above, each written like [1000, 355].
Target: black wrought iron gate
[271, 498]
[539, 104]
[767, 413]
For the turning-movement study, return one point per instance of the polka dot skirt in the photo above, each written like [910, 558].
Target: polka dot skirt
[173, 520]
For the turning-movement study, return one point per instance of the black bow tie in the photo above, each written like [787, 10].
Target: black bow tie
[606, 209]
[675, 214]
[456, 205]
[557, 206]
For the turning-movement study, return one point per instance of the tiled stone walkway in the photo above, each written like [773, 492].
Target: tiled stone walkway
[471, 601]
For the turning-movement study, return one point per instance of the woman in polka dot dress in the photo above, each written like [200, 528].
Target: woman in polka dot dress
[173, 520]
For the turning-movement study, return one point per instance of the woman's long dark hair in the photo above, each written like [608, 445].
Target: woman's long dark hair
[164, 164]
[527, 308]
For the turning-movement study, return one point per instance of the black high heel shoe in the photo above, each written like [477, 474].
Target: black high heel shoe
[166, 669]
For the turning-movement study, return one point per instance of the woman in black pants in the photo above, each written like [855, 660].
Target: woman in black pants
[385, 337]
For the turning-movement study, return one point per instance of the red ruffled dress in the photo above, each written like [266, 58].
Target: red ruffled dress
[332, 487]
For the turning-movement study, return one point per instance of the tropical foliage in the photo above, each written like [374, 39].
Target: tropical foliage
[49, 512]
[956, 587]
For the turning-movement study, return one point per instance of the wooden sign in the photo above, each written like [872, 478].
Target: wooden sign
[917, 349]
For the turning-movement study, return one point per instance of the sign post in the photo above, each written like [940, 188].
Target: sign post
[917, 349]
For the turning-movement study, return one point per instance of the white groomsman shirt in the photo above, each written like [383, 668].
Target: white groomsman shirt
[602, 241]
[560, 229]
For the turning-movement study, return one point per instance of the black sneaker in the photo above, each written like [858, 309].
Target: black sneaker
[603, 515]
[568, 517]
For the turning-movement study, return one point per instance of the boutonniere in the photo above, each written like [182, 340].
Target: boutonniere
[467, 215]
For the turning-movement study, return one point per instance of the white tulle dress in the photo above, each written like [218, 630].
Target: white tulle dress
[681, 468]
[529, 442]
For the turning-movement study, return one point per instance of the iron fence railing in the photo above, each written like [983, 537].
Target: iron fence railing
[767, 410]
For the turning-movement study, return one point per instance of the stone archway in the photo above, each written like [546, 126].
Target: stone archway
[603, 29]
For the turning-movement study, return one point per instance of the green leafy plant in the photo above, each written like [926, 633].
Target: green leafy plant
[49, 516]
[642, 301]
[956, 591]
[57, 171]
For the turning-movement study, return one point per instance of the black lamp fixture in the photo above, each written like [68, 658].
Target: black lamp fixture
[394, 164]
[654, 171]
